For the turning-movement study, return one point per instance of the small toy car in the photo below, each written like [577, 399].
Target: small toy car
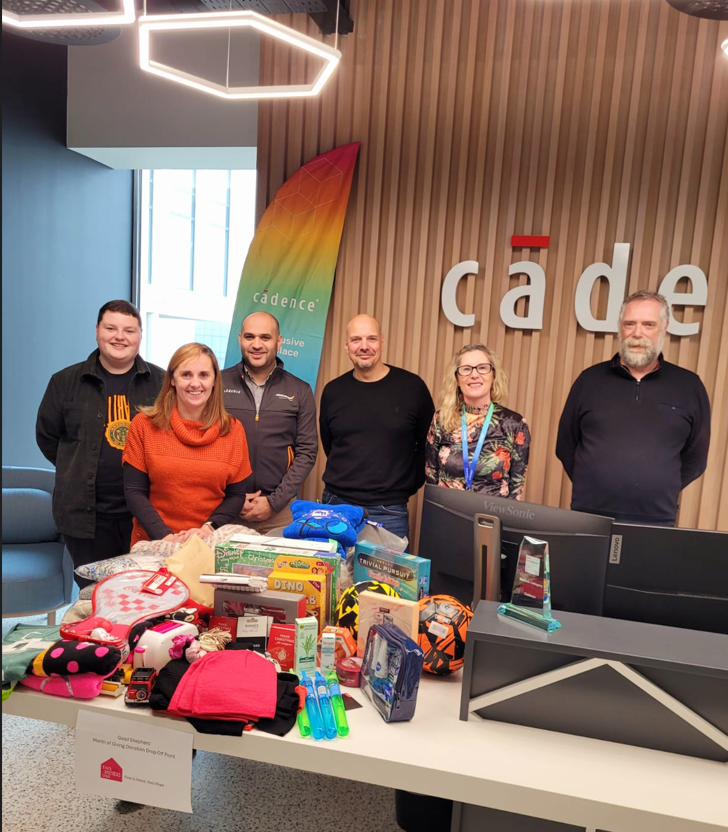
[140, 686]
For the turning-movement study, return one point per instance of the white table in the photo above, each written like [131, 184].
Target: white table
[586, 782]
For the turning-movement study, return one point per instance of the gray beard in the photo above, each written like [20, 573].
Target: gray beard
[640, 358]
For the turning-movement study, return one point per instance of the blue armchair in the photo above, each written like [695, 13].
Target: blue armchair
[37, 568]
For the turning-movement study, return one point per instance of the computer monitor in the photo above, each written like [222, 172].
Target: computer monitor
[677, 577]
[578, 546]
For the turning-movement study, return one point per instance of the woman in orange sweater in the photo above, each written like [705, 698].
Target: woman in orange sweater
[186, 459]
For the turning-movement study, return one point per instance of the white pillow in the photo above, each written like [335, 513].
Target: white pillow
[112, 566]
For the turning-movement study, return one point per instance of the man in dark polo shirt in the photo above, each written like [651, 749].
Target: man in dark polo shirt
[635, 430]
[278, 413]
[81, 428]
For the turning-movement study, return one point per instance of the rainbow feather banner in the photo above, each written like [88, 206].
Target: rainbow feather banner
[289, 270]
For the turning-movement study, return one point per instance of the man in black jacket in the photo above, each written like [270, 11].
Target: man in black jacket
[635, 430]
[278, 413]
[81, 428]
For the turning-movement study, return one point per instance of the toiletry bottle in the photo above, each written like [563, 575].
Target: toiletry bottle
[380, 666]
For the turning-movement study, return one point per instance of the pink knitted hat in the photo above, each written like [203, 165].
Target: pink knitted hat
[228, 684]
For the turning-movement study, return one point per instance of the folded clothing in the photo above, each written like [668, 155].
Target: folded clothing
[166, 683]
[287, 706]
[80, 686]
[227, 685]
[20, 647]
[316, 521]
[287, 703]
[66, 658]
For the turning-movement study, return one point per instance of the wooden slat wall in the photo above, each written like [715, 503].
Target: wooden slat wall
[594, 121]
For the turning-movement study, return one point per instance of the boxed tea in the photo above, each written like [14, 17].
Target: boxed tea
[252, 631]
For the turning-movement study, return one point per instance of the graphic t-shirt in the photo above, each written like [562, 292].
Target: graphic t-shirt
[110, 476]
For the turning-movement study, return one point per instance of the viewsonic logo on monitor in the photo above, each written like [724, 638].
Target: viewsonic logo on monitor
[509, 510]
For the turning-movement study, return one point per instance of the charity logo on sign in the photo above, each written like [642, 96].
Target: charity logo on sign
[111, 770]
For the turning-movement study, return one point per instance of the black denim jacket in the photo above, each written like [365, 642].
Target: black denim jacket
[69, 432]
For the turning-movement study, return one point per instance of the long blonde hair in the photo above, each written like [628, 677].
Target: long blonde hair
[451, 398]
[214, 412]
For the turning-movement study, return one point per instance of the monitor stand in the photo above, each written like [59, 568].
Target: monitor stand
[487, 557]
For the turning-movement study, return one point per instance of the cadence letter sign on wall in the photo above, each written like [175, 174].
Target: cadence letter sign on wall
[449, 293]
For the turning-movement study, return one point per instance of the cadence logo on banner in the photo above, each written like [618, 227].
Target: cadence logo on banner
[289, 270]
[535, 291]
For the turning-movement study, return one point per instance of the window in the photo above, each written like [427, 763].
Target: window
[195, 230]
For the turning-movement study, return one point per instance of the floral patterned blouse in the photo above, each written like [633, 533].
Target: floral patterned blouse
[501, 468]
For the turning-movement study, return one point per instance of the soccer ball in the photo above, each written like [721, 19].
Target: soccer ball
[444, 623]
[347, 610]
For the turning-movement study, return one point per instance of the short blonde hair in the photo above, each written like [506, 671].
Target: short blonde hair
[451, 397]
[214, 412]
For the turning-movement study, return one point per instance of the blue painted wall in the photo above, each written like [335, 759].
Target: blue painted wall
[67, 239]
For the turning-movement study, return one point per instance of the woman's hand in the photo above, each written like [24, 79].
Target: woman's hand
[203, 532]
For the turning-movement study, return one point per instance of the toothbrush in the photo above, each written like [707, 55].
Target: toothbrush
[312, 706]
[337, 704]
[324, 700]
[304, 725]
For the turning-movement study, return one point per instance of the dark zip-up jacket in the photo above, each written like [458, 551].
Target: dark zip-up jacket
[70, 430]
[630, 446]
[282, 436]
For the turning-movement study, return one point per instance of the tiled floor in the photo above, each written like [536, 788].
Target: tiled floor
[228, 794]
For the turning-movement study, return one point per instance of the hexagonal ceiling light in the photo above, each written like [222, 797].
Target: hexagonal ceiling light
[70, 13]
[215, 20]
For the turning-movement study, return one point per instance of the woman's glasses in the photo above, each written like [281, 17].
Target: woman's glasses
[466, 369]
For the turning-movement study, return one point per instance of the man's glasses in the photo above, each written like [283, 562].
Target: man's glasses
[466, 369]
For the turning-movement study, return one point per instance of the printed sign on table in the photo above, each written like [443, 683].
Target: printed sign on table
[127, 760]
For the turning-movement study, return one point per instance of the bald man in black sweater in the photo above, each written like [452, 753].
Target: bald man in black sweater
[373, 423]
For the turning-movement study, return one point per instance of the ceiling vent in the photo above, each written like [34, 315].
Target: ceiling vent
[67, 35]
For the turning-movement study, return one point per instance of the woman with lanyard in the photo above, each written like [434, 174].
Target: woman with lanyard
[474, 443]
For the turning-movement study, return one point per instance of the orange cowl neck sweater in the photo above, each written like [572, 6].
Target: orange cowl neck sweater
[188, 468]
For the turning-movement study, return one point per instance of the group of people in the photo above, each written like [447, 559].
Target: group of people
[141, 453]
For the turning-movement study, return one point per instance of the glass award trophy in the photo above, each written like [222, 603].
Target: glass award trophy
[531, 598]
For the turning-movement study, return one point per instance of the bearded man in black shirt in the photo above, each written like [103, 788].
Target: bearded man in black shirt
[635, 430]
